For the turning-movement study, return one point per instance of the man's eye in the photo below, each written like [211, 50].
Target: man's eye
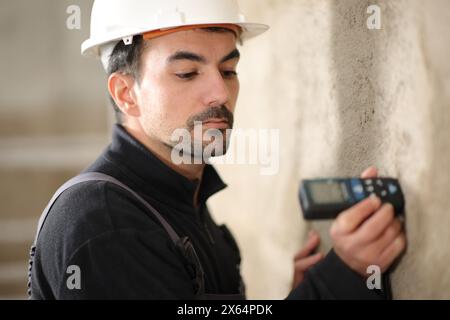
[186, 76]
[229, 74]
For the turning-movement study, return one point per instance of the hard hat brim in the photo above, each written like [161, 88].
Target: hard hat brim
[91, 47]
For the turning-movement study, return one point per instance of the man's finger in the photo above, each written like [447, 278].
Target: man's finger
[351, 218]
[371, 172]
[389, 235]
[304, 264]
[377, 224]
[393, 251]
[311, 244]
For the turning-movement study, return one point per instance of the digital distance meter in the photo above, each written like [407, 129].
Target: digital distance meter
[325, 198]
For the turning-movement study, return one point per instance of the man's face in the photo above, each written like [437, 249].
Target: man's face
[186, 77]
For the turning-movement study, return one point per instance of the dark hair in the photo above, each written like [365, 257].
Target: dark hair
[126, 59]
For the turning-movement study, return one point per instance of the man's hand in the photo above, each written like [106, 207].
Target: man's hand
[306, 258]
[368, 234]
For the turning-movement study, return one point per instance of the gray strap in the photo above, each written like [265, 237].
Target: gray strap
[97, 176]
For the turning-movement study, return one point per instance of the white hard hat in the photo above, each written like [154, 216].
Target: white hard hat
[116, 20]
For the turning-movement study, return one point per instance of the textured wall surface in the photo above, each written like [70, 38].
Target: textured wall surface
[345, 97]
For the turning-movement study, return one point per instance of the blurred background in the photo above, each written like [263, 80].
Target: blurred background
[343, 96]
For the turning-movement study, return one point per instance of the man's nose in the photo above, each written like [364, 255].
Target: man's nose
[216, 91]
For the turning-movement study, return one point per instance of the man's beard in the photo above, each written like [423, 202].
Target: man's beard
[200, 146]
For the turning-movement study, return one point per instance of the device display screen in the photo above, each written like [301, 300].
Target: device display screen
[327, 192]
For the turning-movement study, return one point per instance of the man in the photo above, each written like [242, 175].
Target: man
[148, 234]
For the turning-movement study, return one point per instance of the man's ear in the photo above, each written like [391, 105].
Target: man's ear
[120, 87]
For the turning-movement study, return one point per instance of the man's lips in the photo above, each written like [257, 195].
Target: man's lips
[216, 123]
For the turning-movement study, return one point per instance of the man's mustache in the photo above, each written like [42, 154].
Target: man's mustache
[212, 113]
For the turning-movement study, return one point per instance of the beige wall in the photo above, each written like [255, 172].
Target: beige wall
[343, 96]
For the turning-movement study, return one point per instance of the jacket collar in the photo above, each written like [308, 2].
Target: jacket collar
[154, 177]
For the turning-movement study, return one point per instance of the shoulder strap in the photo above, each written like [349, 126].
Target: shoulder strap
[183, 244]
[97, 176]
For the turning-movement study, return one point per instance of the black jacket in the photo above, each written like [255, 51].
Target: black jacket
[123, 252]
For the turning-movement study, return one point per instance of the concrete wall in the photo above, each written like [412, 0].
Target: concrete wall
[344, 97]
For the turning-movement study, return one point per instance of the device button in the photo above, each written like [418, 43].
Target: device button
[370, 189]
[357, 189]
[392, 188]
[368, 182]
[379, 182]
[383, 193]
